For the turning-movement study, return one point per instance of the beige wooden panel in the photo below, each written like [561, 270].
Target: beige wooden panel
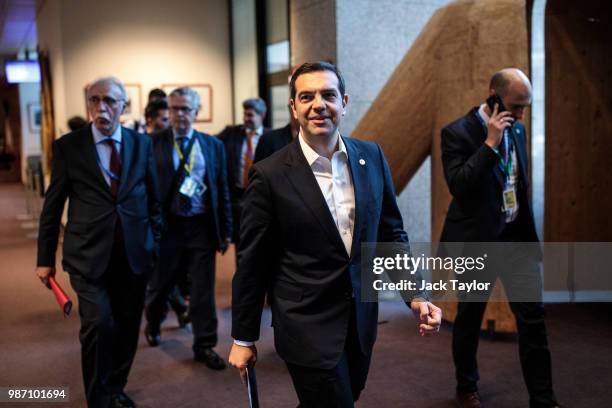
[443, 75]
[578, 187]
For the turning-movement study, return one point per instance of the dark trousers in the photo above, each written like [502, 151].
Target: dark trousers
[110, 309]
[338, 387]
[189, 244]
[519, 272]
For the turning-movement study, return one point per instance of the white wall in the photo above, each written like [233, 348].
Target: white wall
[373, 37]
[246, 83]
[138, 41]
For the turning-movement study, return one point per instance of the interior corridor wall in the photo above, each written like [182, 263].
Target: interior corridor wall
[138, 41]
[372, 39]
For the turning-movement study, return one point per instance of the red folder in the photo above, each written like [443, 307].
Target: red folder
[62, 298]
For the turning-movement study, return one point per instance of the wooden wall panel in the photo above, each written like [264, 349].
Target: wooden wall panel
[578, 174]
[444, 74]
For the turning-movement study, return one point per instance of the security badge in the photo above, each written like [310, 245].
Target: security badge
[191, 187]
[509, 198]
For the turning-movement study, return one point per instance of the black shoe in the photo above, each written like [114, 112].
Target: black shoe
[468, 400]
[209, 357]
[183, 319]
[152, 335]
[121, 400]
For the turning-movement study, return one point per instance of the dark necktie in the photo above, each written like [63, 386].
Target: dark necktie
[184, 202]
[114, 166]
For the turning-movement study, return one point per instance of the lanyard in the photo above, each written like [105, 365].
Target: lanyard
[506, 165]
[188, 165]
[109, 173]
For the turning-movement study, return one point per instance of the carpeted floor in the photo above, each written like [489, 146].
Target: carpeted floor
[38, 347]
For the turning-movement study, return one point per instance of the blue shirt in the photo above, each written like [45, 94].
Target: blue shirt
[104, 150]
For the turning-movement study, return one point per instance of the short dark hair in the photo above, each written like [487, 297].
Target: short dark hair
[499, 83]
[76, 123]
[153, 108]
[156, 93]
[315, 67]
[257, 104]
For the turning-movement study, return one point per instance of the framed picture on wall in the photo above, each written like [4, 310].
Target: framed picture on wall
[133, 105]
[205, 115]
[34, 117]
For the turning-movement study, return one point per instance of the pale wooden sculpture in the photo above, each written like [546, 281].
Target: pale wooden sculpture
[444, 74]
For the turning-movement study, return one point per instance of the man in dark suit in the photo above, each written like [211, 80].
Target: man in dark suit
[275, 139]
[108, 174]
[485, 164]
[307, 210]
[240, 145]
[198, 222]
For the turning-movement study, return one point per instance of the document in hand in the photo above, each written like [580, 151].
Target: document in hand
[252, 388]
[62, 298]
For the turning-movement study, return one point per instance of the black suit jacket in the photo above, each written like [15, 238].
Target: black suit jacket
[476, 183]
[233, 137]
[273, 141]
[216, 178]
[290, 245]
[93, 211]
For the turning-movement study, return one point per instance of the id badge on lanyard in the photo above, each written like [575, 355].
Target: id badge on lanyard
[509, 198]
[191, 187]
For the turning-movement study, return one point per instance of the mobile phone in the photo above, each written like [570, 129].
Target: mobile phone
[495, 99]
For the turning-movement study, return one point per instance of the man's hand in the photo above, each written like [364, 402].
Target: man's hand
[496, 125]
[43, 273]
[225, 246]
[429, 316]
[240, 357]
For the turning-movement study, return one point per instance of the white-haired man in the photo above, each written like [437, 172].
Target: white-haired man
[111, 238]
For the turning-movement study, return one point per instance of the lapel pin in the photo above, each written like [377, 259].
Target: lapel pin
[517, 130]
[362, 162]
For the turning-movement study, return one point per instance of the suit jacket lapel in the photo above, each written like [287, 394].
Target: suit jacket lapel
[127, 150]
[521, 153]
[361, 187]
[168, 153]
[208, 157]
[304, 182]
[238, 151]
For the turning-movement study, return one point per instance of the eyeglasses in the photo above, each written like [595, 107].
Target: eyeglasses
[108, 101]
[183, 109]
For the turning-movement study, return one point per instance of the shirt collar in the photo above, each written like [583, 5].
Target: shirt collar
[483, 114]
[99, 137]
[188, 135]
[312, 155]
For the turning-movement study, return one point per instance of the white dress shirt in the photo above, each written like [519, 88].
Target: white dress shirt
[103, 149]
[336, 184]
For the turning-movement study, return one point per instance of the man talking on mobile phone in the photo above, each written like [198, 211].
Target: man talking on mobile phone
[485, 165]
